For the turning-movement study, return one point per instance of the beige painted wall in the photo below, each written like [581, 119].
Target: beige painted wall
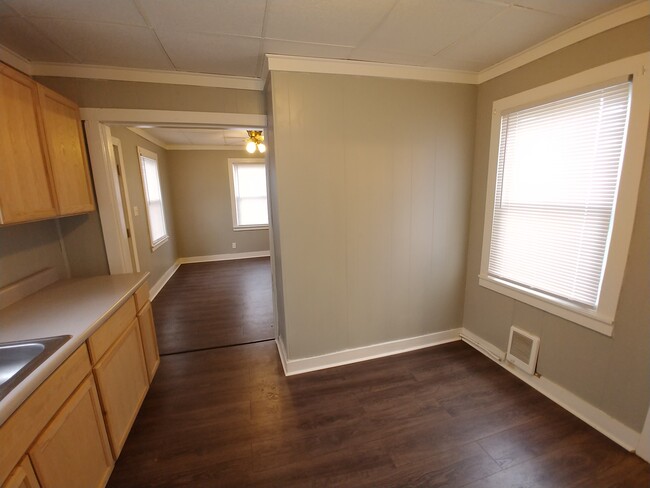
[373, 182]
[159, 261]
[84, 245]
[200, 192]
[131, 94]
[610, 373]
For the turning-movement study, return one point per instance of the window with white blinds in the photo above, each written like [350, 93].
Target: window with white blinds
[153, 197]
[248, 193]
[565, 167]
[557, 179]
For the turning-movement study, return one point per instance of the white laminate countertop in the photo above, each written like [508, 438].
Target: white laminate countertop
[75, 307]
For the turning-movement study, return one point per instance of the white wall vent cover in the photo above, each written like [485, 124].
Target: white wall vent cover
[523, 349]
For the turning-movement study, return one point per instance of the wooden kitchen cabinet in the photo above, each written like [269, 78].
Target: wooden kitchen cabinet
[23, 476]
[67, 154]
[73, 451]
[26, 188]
[122, 380]
[43, 165]
[149, 341]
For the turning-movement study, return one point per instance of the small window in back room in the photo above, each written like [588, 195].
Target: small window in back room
[248, 194]
[153, 197]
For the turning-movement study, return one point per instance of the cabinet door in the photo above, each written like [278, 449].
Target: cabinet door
[73, 450]
[67, 153]
[23, 476]
[149, 341]
[122, 381]
[26, 192]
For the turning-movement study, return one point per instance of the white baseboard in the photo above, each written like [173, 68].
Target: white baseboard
[599, 420]
[224, 257]
[358, 354]
[282, 352]
[158, 285]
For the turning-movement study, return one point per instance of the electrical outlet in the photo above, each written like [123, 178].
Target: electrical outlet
[234, 245]
[136, 211]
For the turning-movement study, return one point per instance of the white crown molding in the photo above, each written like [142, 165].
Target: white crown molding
[183, 147]
[575, 34]
[9, 57]
[301, 64]
[145, 76]
[599, 420]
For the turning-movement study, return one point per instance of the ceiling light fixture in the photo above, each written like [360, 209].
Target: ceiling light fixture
[255, 141]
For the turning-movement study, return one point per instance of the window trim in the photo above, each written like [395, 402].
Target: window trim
[151, 155]
[602, 318]
[233, 204]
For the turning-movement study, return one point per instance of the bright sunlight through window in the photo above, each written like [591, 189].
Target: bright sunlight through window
[153, 197]
[248, 193]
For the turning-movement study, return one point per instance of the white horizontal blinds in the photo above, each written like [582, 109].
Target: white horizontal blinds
[154, 199]
[250, 194]
[557, 178]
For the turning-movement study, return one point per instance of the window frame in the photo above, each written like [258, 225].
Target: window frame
[142, 152]
[600, 319]
[233, 200]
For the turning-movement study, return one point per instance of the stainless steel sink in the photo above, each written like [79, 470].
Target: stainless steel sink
[19, 359]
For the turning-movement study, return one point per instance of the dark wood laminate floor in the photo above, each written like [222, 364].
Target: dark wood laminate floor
[216, 304]
[443, 416]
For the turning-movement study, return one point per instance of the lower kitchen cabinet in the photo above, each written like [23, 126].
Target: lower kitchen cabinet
[149, 342]
[73, 451]
[122, 380]
[23, 476]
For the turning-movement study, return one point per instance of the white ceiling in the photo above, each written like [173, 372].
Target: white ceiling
[230, 37]
[181, 136]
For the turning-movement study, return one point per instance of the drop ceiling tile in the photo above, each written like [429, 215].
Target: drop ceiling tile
[509, 33]
[116, 11]
[427, 26]
[238, 141]
[275, 46]
[206, 138]
[580, 9]
[225, 55]
[241, 17]
[106, 44]
[390, 57]
[236, 133]
[337, 22]
[168, 136]
[23, 38]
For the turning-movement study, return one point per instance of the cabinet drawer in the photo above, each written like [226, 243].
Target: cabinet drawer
[123, 383]
[142, 295]
[114, 327]
[19, 430]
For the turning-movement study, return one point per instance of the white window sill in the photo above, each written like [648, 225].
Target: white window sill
[566, 310]
[251, 227]
[159, 243]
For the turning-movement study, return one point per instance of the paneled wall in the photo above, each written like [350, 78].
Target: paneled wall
[373, 187]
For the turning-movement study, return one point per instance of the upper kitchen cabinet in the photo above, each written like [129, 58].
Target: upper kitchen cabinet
[67, 153]
[43, 165]
[26, 190]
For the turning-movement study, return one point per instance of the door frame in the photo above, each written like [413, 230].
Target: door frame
[105, 176]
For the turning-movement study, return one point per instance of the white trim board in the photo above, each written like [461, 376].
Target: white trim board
[365, 353]
[125, 116]
[282, 352]
[162, 281]
[599, 420]
[224, 257]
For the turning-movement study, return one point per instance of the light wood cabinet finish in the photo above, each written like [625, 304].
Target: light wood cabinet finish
[109, 332]
[73, 451]
[122, 380]
[67, 153]
[24, 425]
[26, 192]
[142, 296]
[23, 476]
[149, 340]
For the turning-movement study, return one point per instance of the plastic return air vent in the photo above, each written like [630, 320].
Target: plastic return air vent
[523, 349]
